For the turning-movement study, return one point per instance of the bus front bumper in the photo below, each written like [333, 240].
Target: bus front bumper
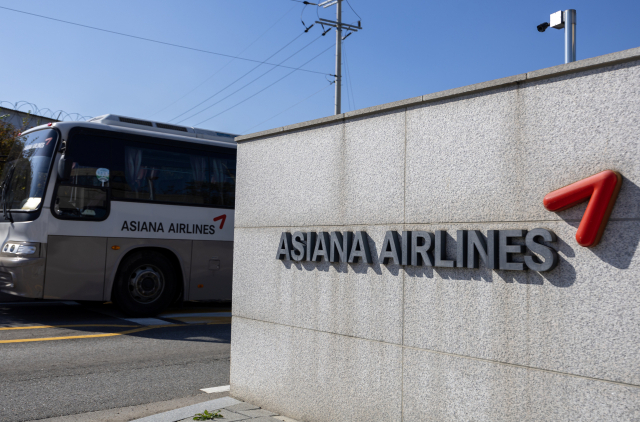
[22, 276]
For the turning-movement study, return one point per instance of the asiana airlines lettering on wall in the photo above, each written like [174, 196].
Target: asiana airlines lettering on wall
[420, 248]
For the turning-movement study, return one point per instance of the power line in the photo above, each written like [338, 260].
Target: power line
[202, 102]
[244, 86]
[287, 109]
[156, 41]
[354, 10]
[227, 64]
[346, 73]
[267, 87]
[349, 78]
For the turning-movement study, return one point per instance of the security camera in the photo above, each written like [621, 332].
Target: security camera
[543, 26]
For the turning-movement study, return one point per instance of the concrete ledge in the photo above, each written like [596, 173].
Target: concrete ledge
[586, 64]
[475, 88]
[316, 122]
[384, 107]
[259, 134]
[547, 73]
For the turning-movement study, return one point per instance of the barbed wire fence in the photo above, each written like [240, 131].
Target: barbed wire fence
[30, 108]
[23, 115]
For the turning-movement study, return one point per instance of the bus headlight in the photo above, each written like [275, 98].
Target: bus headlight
[26, 250]
[18, 248]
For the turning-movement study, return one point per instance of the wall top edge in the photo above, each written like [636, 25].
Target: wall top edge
[546, 73]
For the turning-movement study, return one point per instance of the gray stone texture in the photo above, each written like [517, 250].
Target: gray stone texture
[440, 387]
[494, 155]
[358, 300]
[373, 165]
[325, 342]
[292, 178]
[314, 376]
[580, 318]
[361, 161]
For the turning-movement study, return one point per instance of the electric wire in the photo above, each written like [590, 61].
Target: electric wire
[354, 11]
[318, 15]
[346, 74]
[287, 109]
[303, 24]
[267, 87]
[156, 41]
[229, 85]
[245, 85]
[349, 78]
[227, 64]
[249, 83]
[345, 84]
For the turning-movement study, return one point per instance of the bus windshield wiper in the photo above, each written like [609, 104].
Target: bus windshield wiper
[6, 185]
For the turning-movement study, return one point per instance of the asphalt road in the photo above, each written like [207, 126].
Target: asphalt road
[110, 362]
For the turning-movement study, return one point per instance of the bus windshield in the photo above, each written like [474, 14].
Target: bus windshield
[25, 173]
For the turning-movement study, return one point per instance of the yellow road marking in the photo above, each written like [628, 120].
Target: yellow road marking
[33, 327]
[136, 330]
[26, 340]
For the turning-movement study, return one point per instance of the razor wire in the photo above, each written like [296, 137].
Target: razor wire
[30, 108]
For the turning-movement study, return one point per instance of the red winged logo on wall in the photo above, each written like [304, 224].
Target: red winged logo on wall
[601, 190]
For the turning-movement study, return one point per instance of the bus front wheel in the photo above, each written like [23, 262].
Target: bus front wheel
[146, 284]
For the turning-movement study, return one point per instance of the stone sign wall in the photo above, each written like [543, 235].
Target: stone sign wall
[339, 341]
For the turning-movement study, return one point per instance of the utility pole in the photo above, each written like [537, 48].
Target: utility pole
[338, 101]
[339, 26]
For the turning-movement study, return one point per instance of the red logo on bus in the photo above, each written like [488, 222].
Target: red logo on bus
[601, 190]
[222, 217]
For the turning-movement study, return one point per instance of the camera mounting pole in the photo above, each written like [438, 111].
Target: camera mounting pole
[339, 27]
[569, 35]
[566, 20]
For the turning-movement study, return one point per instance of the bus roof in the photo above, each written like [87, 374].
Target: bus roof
[138, 125]
[115, 120]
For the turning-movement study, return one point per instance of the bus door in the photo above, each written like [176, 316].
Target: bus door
[77, 241]
[75, 267]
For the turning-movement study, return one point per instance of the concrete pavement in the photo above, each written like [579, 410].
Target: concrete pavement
[62, 360]
[231, 410]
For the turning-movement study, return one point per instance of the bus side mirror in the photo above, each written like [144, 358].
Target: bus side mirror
[64, 168]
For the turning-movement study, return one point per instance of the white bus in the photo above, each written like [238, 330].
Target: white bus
[119, 209]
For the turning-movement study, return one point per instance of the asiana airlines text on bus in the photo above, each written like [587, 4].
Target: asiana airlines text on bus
[158, 227]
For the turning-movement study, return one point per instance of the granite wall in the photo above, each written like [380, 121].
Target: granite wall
[358, 342]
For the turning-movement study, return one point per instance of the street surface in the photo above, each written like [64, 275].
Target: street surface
[64, 358]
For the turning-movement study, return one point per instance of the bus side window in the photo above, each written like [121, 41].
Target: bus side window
[80, 202]
[85, 195]
[185, 176]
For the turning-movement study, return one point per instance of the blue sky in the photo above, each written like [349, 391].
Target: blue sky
[406, 49]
